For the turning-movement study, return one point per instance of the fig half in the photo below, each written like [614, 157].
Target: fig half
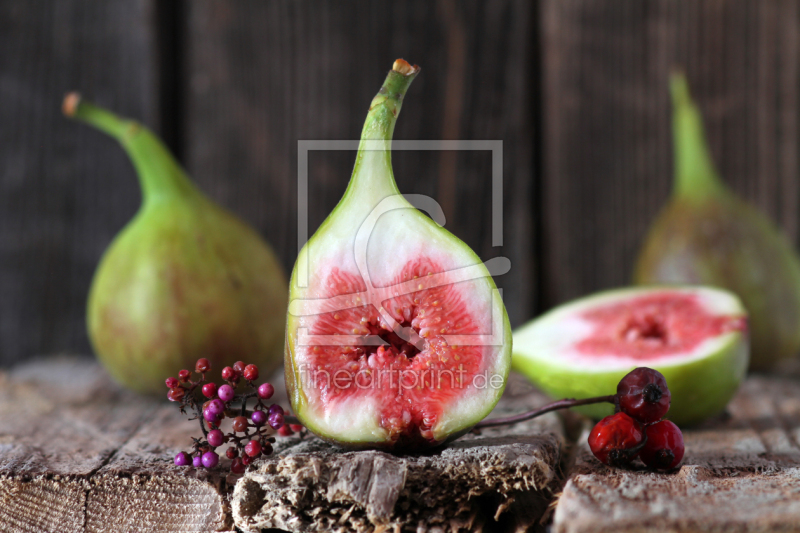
[397, 337]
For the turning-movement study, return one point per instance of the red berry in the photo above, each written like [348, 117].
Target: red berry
[664, 448]
[231, 453]
[253, 448]
[176, 394]
[239, 366]
[285, 431]
[237, 467]
[202, 365]
[209, 390]
[228, 373]
[246, 459]
[616, 439]
[644, 395]
[171, 383]
[250, 372]
[266, 448]
[184, 375]
[240, 424]
[296, 427]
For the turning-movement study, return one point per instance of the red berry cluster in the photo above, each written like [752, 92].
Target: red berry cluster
[252, 431]
[637, 428]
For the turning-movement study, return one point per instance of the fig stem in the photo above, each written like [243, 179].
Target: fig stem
[555, 406]
[695, 173]
[159, 173]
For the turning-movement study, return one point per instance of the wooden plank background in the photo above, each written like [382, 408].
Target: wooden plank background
[575, 89]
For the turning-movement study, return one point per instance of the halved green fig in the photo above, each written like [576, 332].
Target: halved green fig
[706, 235]
[695, 336]
[396, 336]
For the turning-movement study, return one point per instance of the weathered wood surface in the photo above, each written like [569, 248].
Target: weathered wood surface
[500, 480]
[739, 474]
[78, 454]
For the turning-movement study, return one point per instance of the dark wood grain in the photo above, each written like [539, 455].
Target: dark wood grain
[607, 148]
[267, 74]
[65, 190]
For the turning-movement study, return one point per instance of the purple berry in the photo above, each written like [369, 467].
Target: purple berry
[275, 420]
[225, 393]
[275, 408]
[265, 391]
[210, 416]
[215, 438]
[210, 459]
[197, 462]
[259, 418]
[183, 459]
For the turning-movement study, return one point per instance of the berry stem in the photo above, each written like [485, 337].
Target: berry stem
[555, 406]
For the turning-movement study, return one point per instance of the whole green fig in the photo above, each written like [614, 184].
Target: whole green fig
[707, 235]
[184, 279]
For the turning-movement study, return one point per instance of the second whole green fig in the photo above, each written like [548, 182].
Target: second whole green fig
[707, 235]
[184, 279]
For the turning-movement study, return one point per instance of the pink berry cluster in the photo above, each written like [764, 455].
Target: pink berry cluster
[637, 428]
[252, 430]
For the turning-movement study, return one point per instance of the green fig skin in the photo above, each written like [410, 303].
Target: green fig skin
[184, 279]
[373, 181]
[707, 235]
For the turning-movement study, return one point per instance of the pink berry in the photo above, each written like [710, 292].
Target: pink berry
[215, 406]
[246, 459]
[275, 408]
[250, 372]
[225, 393]
[209, 389]
[171, 383]
[197, 462]
[184, 376]
[296, 427]
[210, 459]
[265, 391]
[215, 438]
[285, 431]
[202, 365]
[211, 416]
[183, 459]
[253, 448]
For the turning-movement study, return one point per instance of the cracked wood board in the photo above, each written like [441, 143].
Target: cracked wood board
[79, 454]
[497, 481]
[740, 473]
